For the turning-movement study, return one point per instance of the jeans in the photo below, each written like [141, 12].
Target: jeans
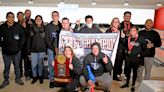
[51, 57]
[7, 63]
[37, 63]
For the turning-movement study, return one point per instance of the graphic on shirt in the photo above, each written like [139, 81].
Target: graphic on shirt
[53, 34]
[16, 37]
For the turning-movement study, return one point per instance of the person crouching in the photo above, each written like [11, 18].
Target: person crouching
[100, 66]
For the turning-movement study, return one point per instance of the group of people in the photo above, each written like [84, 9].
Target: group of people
[30, 40]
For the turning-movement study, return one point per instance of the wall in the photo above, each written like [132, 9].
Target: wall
[101, 15]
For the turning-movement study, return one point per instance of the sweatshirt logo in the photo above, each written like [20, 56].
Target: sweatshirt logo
[95, 66]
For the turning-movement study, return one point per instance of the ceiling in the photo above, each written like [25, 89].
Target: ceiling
[87, 3]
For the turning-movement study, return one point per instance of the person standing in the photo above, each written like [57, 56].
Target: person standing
[38, 49]
[115, 28]
[12, 40]
[52, 39]
[89, 27]
[24, 54]
[134, 46]
[153, 39]
[126, 24]
[66, 25]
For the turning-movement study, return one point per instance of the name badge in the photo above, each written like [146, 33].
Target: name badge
[16, 37]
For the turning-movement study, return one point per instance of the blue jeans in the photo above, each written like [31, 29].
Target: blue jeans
[37, 63]
[51, 56]
[7, 63]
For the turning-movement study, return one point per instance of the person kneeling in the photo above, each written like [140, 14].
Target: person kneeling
[100, 65]
[74, 68]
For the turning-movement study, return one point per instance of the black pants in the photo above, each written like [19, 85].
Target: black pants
[7, 63]
[72, 86]
[132, 63]
[27, 66]
[117, 70]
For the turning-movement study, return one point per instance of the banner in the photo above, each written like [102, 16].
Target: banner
[81, 43]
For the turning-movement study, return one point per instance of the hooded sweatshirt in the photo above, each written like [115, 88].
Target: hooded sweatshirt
[98, 67]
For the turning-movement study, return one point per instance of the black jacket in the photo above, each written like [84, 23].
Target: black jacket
[90, 59]
[76, 72]
[37, 37]
[137, 50]
[122, 27]
[120, 44]
[52, 35]
[12, 38]
[94, 29]
[154, 37]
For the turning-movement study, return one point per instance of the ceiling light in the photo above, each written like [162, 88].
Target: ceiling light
[30, 2]
[159, 4]
[126, 3]
[62, 2]
[93, 3]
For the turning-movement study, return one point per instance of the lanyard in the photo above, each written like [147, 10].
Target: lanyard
[130, 46]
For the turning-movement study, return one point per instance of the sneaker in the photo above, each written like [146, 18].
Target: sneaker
[4, 84]
[34, 80]
[19, 82]
[124, 86]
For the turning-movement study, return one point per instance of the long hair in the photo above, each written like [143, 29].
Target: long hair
[111, 24]
[70, 49]
[41, 19]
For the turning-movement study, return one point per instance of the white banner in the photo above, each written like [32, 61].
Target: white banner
[81, 43]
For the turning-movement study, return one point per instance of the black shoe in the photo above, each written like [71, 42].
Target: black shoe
[116, 78]
[34, 80]
[19, 82]
[132, 89]
[41, 79]
[4, 84]
[124, 86]
[52, 85]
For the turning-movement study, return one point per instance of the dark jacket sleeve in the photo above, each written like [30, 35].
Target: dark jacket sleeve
[109, 65]
[144, 46]
[47, 39]
[85, 72]
[0, 36]
[22, 37]
[157, 42]
[76, 66]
